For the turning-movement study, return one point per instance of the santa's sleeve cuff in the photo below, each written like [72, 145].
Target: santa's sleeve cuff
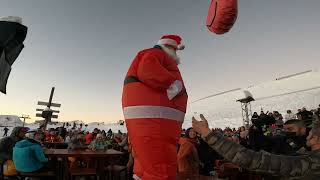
[174, 89]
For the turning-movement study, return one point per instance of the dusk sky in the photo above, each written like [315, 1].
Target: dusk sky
[84, 49]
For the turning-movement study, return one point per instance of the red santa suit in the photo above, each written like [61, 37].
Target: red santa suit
[154, 103]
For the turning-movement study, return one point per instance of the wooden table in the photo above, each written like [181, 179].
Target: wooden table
[181, 176]
[56, 145]
[99, 156]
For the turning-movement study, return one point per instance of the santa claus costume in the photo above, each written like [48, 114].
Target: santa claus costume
[154, 103]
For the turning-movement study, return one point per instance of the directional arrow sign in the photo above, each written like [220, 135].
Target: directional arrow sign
[40, 115]
[52, 110]
[46, 104]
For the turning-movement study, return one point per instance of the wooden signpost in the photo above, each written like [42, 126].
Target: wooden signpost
[47, 113]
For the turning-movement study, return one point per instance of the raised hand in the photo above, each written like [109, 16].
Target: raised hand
[202, 126]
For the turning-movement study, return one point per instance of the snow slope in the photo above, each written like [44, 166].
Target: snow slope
[294, 93]
[12, 121]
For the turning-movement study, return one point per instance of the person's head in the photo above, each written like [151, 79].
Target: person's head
[18, 133]
[289, 111]
[171, 44]
[39, 136]
[36, 135]
[242, 128]
[313, 139]
[52, 131]
[190, 133]
[270, 114]
[99, 137]
[23, 132]
[95, 131]
[80, 137]
[304, 109]
[296, 126]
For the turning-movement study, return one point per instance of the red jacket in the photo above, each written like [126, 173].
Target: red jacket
[188, 159]
[89, 138]
[154, 71]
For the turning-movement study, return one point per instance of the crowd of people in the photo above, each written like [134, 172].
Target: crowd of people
[269, 132]
[23, 150]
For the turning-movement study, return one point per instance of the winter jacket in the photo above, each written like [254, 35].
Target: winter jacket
[304, 167]
[28, 156]
[7, 144]
[149, 77]
[89, 138]
[188, 160]
[124, 143]
[289, 116]
[52, 138]
[98, 145]
[207, 157]
[76, 144]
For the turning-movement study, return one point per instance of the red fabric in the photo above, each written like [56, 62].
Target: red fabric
[154, 140]
[157, 71]
[155, 147]
[222, 15]
[188, 160]
[89, 138]
[51, 138]
[137, 168]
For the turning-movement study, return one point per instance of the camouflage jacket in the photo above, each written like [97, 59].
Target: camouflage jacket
[304, 167]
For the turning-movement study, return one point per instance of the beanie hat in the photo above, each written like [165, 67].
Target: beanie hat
[172, 40]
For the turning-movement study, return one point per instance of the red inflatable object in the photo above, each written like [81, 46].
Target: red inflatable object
[222, 15]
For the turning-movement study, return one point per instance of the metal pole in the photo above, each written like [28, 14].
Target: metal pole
[247, 114]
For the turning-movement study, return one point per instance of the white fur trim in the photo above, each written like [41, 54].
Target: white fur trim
[135, 177]
[174, 89]
[168, 42]
[172, 53]
[15, 19]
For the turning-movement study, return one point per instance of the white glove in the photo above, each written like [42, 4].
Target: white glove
[174, 89]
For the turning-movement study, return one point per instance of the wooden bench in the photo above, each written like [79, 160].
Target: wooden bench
[182, 176]
[83, 172]
[114, 171]
[37, 174]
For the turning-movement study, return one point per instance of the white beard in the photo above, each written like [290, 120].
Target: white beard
[172, 53]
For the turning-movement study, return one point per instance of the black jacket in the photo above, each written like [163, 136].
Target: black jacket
[7, 144]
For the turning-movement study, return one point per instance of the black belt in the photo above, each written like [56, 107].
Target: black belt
[131, 79]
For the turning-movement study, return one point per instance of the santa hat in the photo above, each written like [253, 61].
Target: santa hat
[172, 40]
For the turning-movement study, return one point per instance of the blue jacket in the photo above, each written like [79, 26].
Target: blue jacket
[28, 156]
